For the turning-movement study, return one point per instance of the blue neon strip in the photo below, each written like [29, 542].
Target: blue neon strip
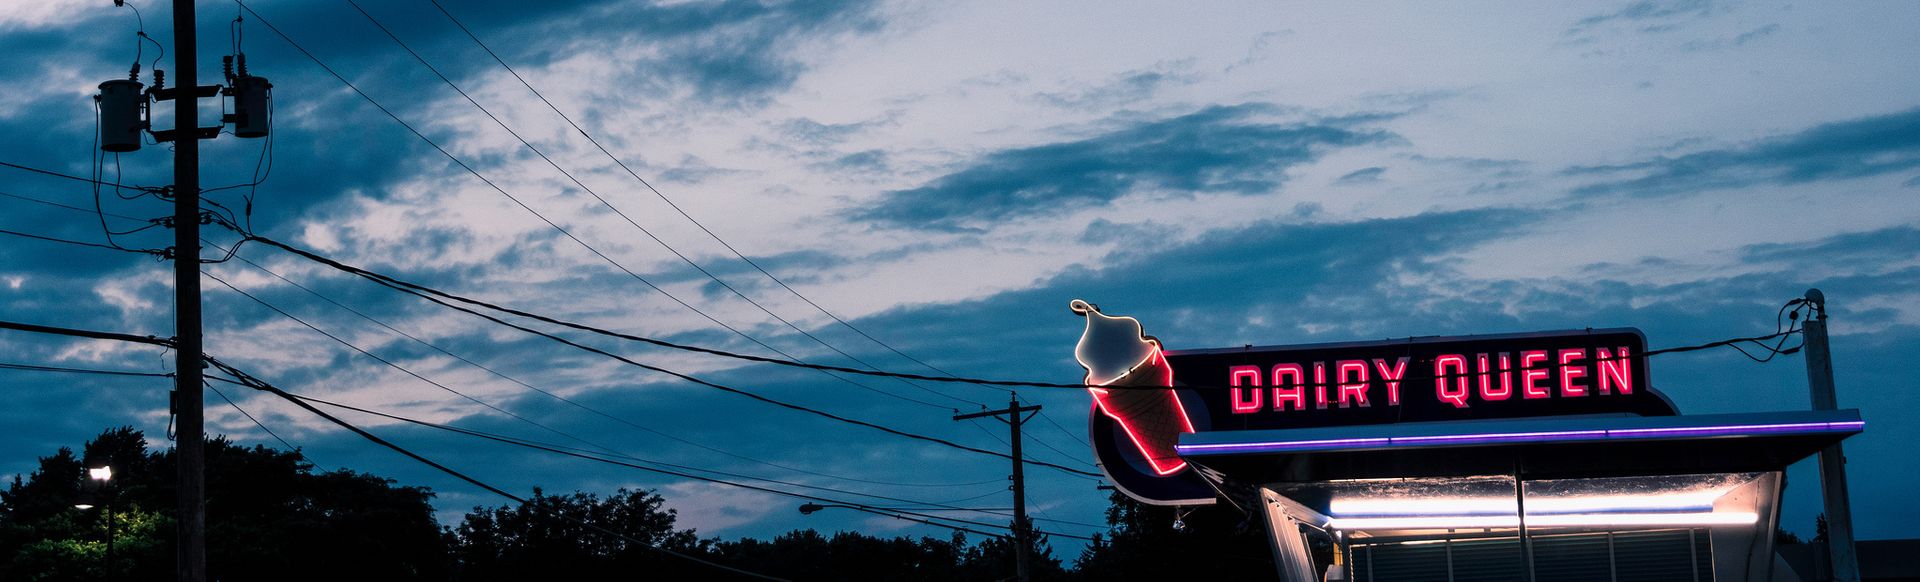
[1526, 437]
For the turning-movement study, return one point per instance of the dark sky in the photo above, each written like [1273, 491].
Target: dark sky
[946, 177]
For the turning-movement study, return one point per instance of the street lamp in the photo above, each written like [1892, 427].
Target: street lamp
[98, 480]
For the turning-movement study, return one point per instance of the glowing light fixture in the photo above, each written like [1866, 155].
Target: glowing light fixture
[1505, 506]
[1520, 437]
[1533, 521]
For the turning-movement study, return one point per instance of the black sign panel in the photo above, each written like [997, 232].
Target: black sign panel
[1419, 379]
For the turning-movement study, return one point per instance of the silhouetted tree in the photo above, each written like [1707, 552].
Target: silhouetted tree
[1218, 542]
[806, 555]
[269, 517]
[567, 537]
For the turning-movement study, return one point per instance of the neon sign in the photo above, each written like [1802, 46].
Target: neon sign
[1116, 353]
[1136, 432]
[1419, 379]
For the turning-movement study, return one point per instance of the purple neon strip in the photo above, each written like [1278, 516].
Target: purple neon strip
[1504, 437]
[1538, 436]
[1286, 445]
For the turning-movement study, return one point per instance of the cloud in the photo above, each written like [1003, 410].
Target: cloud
[1855, 148]
[1650, 15]
[1127, 87]
[1219, 149]
[1856, 251]
[1361, 176]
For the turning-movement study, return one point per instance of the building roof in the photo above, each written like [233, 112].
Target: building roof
[1540, 447]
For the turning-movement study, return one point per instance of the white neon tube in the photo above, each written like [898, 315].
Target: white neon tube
[1563, 520]
[1430, 507]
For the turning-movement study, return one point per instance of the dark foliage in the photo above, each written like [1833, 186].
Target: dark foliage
[269, 517]
[567, 537]
[1218, 543]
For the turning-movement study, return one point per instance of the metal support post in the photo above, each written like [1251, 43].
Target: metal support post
[1833, 462]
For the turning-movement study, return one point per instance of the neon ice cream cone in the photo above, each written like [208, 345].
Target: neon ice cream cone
[1116, 354]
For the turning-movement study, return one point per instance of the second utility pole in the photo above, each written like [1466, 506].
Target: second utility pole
[1015, 416]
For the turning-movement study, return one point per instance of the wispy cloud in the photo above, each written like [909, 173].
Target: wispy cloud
[1648, 15]
[1361, 176]
[1217, 149]
[1854, 148]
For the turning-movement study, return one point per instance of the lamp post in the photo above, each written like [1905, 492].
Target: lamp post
[98, 480]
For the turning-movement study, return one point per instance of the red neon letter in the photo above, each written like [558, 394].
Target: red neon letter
[1615, 372]
[1487, 391]
[1529, 375]
[1353, 380]
[1251, 376]
[1289, 390]
[1392, 376]
[1458, 394]
[1570, 372]
[1320, 385]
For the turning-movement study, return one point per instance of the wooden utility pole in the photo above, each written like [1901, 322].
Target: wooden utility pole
[1833, 462]
[1016, 415]
[190, 557]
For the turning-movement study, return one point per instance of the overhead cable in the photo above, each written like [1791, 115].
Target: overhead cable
[258, 384]
[616, 210]
[543, 218]
[584, 407]
[670, 203]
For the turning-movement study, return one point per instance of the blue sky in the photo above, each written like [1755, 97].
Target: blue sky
[946, 176]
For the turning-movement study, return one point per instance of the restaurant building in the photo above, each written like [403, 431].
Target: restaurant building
[1538, 456]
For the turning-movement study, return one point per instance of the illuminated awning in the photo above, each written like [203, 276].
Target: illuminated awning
[1579, 446]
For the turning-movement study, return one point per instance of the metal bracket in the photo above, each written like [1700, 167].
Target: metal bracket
[167, 135]
[174, 93]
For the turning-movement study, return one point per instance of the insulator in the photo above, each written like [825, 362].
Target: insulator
[252, 114]
[120, 124]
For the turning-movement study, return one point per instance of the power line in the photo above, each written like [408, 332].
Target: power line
[593, 457]
[436, 295]
[71, 207]
[83, 243]
[417, 289]
[623, 215]
[495, 408]
[585, 407]
[598, 456]
[663, 197]
[975, 423]
[261, 385]
[1063, 430]
[389, 363]
[34, 368]
[256, 422]
[729, 389]
[90, 334]
[556, 226]
[152, 189]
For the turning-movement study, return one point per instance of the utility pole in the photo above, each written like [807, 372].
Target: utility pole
[1833, 462]
[190, 556]
[1016, 415]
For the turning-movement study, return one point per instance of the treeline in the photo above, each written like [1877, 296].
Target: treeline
[272, 516]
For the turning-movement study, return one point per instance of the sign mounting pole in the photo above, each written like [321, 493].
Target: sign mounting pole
[1016, 415]
[1833, 462]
